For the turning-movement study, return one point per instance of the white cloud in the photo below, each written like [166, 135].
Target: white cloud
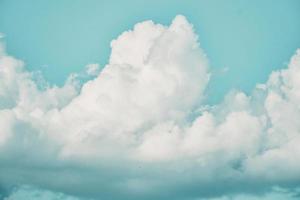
[132, 94]
[138, 126]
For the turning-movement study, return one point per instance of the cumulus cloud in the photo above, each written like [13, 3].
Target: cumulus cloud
[139, 129]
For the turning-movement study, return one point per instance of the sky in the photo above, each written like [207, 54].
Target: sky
[240, 37]
[184, 100]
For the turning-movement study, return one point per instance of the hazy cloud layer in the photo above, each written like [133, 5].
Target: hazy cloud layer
[139, 129]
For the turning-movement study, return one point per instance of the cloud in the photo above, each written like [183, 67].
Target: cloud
[27, 192]
[92, 69]
[140, 130]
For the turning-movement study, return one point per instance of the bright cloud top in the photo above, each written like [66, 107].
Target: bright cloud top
[140, 129]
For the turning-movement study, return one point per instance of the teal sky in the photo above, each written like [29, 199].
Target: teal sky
[244, 40]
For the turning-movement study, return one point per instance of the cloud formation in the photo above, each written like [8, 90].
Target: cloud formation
[139, 130]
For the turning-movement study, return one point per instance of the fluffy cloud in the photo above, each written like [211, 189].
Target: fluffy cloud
[140, 130]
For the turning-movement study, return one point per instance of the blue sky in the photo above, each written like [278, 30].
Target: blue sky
[200, 103]
[240, 37]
